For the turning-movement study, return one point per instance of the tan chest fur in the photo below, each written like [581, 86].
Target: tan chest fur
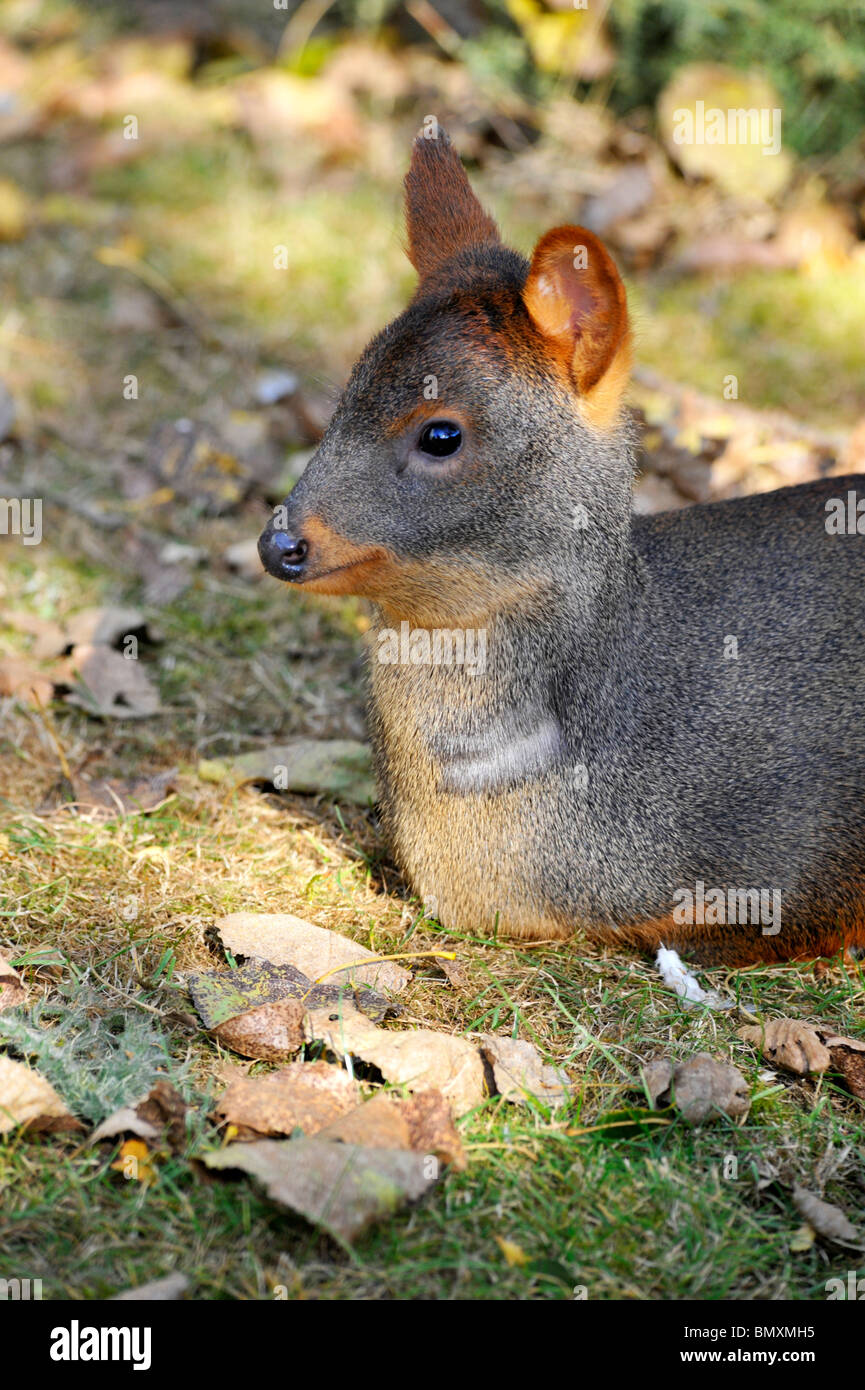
[468, 857]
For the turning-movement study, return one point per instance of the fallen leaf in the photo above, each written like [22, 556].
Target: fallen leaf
[271, 1033]
[802, 1239]
[282, 939]
[104, 627]
[126, 1120]
[658, 1077]
[339, 767]
[14, 211]
[165, 1108]
[514, 1254]
[189, 460]
[23, 681]
[378, 1123]
[456, 974]
[157, 1291]
[158, 1116]
[12, 991]
[134, 1162]
[518, 1069]
[805, 1048]
[789, 1043]
[828, 1220]
[420, 1059]
[701, 1087]
[110, 685]
[573, 43]
[304, 1095]
[421, 1122]
[848, 1058]
[113, 796]
[49, 638]
[27, 1099]
[342, 1188]
[243, 557]
[219, 995]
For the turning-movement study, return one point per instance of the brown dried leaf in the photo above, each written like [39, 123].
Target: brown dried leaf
[456, 974]
[284, 939]
[12, 991]
[658, 1076]
[304, 1095]
[789, 1043]
[422, 1122]
[22, 680]
[804, 1048]
[27, 1099]
[848, 1058]
[114, 796]
[165, 1108]
[828, 1220]
[421, 1059]
[518, 1069]
[379, 1123]
[103, 627]
[701, 1088]
[273, 1032]
[109, 685]
[49, 638]
[159, 1116]
[341, 1187]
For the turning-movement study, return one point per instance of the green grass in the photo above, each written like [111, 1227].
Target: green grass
[125, 908]
[651, 1216]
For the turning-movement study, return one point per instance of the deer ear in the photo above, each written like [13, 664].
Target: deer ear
[576, 298]
[443, 215]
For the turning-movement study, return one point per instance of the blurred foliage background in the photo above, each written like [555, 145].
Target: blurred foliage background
[196, 193]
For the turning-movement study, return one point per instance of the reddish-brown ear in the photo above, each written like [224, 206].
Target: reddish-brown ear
[442, 214]
[577, 300]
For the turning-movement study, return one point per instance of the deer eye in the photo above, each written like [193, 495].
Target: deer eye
[440, 439]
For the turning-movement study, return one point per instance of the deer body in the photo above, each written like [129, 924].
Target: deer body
[662, 743]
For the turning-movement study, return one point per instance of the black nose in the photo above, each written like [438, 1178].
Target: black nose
[282, 555]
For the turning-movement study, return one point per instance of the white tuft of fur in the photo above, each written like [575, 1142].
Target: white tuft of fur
[677, 977]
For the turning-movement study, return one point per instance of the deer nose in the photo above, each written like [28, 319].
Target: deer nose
[282, 555]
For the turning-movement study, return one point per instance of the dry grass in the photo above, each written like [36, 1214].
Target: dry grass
[117, 911]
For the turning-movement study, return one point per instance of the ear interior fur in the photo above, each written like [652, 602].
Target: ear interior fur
[576, 298]
[443, 216]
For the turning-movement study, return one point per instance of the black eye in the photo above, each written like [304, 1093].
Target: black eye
[440, 439]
